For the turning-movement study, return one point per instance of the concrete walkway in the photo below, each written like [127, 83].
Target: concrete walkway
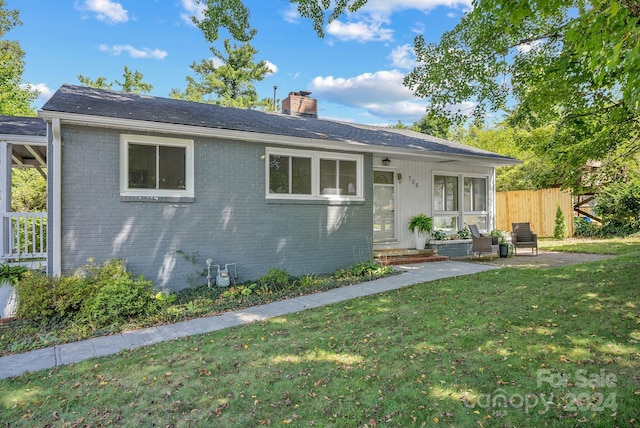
[15, 365]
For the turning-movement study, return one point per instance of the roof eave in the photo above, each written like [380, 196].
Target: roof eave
[257, 137]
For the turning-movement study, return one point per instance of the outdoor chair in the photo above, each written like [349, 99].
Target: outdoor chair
[482, 243]
[523, 237]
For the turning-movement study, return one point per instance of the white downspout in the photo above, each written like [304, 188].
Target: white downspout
[57, 197]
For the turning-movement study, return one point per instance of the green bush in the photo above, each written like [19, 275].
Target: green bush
[100, 294]
[12, 274]
[618, 204]
[560, 230]
[585, 228]
[36, 296]
[120, 301]
[275, 279]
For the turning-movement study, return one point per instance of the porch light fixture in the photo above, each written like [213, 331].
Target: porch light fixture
[386, 161]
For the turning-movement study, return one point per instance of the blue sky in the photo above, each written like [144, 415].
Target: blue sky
[355, 72]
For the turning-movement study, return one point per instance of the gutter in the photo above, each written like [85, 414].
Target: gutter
[268, 139]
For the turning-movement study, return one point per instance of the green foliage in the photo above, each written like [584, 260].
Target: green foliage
[363, 270]
[618, 204]
[36, 296]
[101, 294]
[119, 301]
[233, 16]
[438, 235]
[28, 191]
[572, 65]
[500, 234]
[275, 279]
[231, 83]
[12, 273]
[464, 233]
[585, 228]
[560, 229]
[421, 222]
[15, 100]
[132, 83]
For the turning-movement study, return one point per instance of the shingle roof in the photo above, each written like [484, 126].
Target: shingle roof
[26, 126]
[111, 104]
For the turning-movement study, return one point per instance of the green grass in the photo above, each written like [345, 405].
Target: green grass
[614, 246]
[442, 353]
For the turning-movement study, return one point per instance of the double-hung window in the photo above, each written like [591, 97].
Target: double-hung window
[301, 174]
[156, 166]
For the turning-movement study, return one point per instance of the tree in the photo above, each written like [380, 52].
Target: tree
[233, 15]
[535, 172]
[570, 64]
[15, 100]
[132, 82]
[229, 83]
[28, 190]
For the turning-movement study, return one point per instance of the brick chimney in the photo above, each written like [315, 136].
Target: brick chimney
[299, 104]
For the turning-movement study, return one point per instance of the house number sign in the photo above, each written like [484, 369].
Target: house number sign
[412, 181]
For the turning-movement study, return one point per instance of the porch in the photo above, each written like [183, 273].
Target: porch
[23, 235]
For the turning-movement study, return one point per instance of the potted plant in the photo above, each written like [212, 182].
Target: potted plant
[503, 247]
[420, 224]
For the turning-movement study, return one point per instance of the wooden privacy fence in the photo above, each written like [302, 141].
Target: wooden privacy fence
[537, 207]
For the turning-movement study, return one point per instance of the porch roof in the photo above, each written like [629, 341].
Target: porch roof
[28, 138]
[95, 104]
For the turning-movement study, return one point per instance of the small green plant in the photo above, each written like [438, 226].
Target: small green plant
[560, 230]
[275, 279]
[464, 233]
[12, 274]
[501, 235]
[420, 222]
[439, 235]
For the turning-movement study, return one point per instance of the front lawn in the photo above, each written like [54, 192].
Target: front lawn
[508, 347]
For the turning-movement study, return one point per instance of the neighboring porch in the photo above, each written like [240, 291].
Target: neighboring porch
[23, 235]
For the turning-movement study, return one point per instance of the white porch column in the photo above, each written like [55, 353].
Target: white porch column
[5, 194]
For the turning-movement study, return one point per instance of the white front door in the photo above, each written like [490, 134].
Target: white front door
[384, 206]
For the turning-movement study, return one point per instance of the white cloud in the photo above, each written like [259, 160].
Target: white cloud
[389, 7]
[134, 52]
[403, 57]
[273, 69]
[381, 94]
[290, 14]
[104, 10]
[44, 92]
[192, 8]
[366, 30]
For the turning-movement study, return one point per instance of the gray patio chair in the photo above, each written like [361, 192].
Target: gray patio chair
[523, 237]
[482, 243]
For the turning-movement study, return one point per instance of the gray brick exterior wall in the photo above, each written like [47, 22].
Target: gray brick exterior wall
[229, 221]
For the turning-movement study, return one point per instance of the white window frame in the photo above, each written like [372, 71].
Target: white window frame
[127, 139]
[315, 174]
[461, 214]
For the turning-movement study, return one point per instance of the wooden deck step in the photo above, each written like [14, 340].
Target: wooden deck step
[406, 256]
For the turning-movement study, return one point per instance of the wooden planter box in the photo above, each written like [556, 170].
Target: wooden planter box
[452, 248]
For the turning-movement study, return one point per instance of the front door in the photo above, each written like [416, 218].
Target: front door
[384, 206]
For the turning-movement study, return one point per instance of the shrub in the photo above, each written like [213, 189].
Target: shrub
[102, 294]
[585, 228]
[12, 274]
[120, 301]
[560, 230]
[36, 296]
[618, 204]
[275, 279]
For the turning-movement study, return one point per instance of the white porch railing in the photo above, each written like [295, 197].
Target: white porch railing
[23, 236]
